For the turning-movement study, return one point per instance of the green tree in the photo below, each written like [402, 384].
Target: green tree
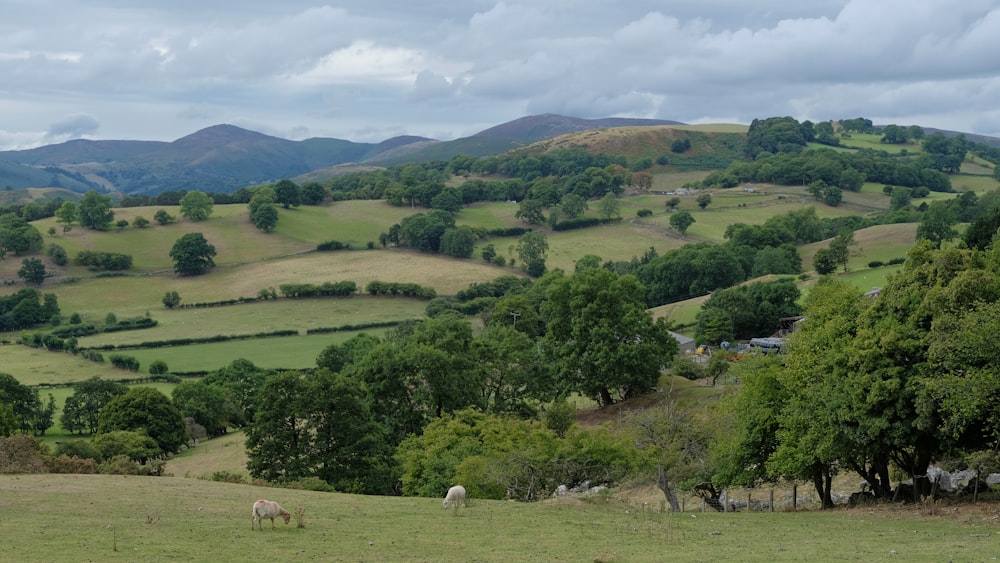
[264, 217]
[703, 200]
[32, 271]
[840, 248]
[134, 444]
[80, 414]
[122, 224]
[287, 193]
[900, 198]
[681, 221]
[145, 409]
[937, 224]
[601, 339]
[140, 222]
[573, 205]
[530, 211]
[66, 215]
[458, 242]
[313, 193]
[171, 299]
[531, 249]
[192, 255]
[29, 414]
[94, 211]
[823, 262]
[58, 254]
[162, 217]
[158, 367]
[207, 404]
[513, 376]
[608, 207]
[672, 203]
[196, 206]
[18, 236]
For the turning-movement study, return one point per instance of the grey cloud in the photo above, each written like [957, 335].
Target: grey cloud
[74, 127]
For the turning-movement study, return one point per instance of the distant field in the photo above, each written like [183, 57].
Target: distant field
[285, 352]
[874, 141]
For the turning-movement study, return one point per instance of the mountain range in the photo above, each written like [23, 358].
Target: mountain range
[224, 158]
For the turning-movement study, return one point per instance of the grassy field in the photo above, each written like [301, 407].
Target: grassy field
[114, 518]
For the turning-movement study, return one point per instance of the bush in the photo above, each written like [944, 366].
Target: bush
[876, 264]
[124, 362]
[332, 245]
[157, 367]
[58, 254]
[644, 213]
[22, 453]
[82, 449]
[66, 464]
[104, 261]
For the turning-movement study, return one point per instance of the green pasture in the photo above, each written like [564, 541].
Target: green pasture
[355, 222]
[978, 183]
[266, 316]
[284, 352]
[34, 366]
[874, 141]
[116, 518]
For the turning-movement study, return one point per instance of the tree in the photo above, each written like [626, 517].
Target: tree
[122, 224]
[608, 207]
[681, 221]
[601, 339]
[162, 217]
[287, 193]
[531, 249]
[318, 426]
[703, 200]
[672, 203]
[158, 367]
[192, 255]
[27, 413]
[823, 262]
[145, 409]
[840, 248]
[18, 236]
[171, 299]
[530, 211]
[900, 198]
[140, 222]
[80, 414]
[206, 404]
[458, 242]
[94, 211]
[196, 206]
[67, 215]
[32, 271]
[573, 205]
[264, 217]
[313, 193]
[937, 224]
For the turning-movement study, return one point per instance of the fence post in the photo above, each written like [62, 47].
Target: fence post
[770, 502]
[795, 498]
[748, 502]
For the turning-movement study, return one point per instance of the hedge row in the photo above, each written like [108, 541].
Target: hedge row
[332, 245]
[124, 362]
[135, 323]
[327, 289]
[405, 289]
[237, 301]
[105, 261]
[508, 232]
[88, 329]
[187, 341]
[346, 328]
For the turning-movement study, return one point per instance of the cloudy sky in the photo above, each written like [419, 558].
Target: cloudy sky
[368, 70]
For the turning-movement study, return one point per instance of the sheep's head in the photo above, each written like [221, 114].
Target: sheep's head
[287, 516]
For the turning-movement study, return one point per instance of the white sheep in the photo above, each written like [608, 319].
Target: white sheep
[456, 496]
[267, 509]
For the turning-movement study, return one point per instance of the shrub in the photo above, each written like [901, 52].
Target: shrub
[229, 477]
[876, 264]
[332, 245]
[82, 449]
[22, 453]
[58, 254]
[104, 261]
[644, 213]
[124, 362]
[157, 367]
[63, 463]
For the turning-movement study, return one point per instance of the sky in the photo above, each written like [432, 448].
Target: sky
[370, 70]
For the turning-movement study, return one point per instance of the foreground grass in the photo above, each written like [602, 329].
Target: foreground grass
[115, 518]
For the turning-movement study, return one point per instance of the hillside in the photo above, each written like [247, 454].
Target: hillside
[224, 158]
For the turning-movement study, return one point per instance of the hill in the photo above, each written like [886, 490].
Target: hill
[224, 158]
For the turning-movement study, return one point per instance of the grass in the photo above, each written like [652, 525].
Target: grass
[285, 352]
[115, 518]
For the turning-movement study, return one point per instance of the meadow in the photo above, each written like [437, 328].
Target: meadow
[117, 518]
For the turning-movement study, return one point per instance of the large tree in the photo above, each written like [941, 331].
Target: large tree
[531, 249]
[287, 193]
[196, 206]
[681, 221]
[94, 211]
[147, 410]
[80, 414]
[192, 255]
[317, 425]
[25, 411]
[601, 339]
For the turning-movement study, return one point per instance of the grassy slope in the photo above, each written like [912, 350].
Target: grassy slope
[114, 518]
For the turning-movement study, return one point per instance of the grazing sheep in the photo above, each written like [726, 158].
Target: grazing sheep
[456, 496]
[267, 509]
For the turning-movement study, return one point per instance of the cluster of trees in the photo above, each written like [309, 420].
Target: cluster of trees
[344, 422]
[103, 261]
[17, 236]
[22, 409]
[873, 386]
[27, 308]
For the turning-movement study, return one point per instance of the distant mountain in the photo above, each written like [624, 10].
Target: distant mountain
[224, 158]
